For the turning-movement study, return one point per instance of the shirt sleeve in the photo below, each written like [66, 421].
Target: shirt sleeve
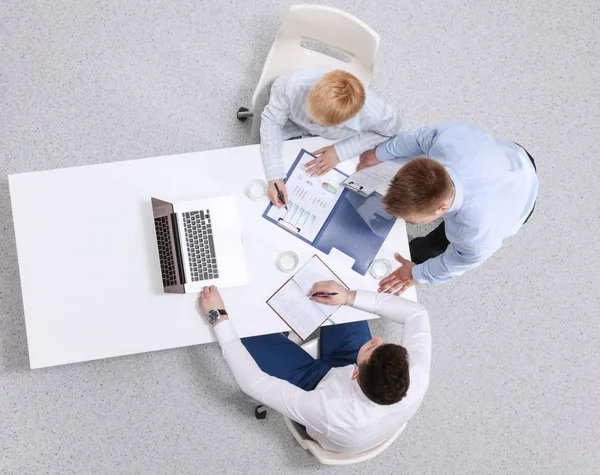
[304, 407]
[382, 122]
[416, 334]
[455, 261]
[273, 118]
[409, 144]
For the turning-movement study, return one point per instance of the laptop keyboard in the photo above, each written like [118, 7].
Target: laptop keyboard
[200, 245]
[165, 253]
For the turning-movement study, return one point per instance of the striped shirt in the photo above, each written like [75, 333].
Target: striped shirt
[285, 117]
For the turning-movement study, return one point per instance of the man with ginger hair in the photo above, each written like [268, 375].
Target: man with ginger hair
[484, 189]
[331, 104]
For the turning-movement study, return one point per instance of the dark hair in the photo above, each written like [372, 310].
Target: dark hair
[419, 186]
[385, 378]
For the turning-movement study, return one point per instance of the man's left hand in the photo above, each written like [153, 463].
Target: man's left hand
[327, 158]
[400, 280]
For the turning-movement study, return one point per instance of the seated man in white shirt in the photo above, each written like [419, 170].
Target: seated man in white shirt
[483, 188]
[359, 393]
[331, 104]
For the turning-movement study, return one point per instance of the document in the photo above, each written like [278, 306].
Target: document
[292, 303]
[370, 179]
[310, 200]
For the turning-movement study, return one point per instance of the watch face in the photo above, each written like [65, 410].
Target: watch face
[213, 316]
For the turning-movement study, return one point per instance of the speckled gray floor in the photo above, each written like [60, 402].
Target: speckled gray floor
[515, 381]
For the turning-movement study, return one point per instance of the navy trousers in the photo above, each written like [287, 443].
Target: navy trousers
[284, 359]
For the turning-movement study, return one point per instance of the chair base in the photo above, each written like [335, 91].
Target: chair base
[243, 114]
[260, 412]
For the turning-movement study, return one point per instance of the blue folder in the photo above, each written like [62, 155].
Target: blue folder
[357, 226]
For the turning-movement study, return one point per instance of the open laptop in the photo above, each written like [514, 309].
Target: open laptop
[199, 243]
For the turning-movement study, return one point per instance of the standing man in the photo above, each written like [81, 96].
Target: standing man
[484, 189]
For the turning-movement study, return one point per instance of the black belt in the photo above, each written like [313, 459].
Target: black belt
[535, 168]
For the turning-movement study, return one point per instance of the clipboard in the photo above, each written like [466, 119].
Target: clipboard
[374, 179]
[317, 306]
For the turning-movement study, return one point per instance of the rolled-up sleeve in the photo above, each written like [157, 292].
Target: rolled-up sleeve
[455, 261]
[410, 144]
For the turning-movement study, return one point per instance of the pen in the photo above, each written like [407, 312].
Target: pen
[322, 294]
[280, 196]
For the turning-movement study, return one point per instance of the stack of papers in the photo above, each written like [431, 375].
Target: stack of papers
[372, 179]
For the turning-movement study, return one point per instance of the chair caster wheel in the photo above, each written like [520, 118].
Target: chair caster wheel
[260, 412]
[243, 114]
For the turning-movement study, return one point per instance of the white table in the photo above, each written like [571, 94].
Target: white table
[89, 268]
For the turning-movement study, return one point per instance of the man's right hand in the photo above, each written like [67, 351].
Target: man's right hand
[331, 287]
[272, 193]
[367, 159]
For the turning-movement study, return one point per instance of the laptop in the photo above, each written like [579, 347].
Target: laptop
[199, 243]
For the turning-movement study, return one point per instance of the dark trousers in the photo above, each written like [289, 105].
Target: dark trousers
[284, 359]
[436, 242]
[427, 247]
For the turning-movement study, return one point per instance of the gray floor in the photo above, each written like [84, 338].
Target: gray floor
[515, 380]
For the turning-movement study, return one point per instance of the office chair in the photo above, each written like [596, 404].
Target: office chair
[312, 36]
[326, 457]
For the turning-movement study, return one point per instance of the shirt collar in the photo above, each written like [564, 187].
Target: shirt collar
[359, 393]
[458, 193]
[353, 123]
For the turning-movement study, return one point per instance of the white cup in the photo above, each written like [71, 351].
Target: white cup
[287, 261]
[256, 189]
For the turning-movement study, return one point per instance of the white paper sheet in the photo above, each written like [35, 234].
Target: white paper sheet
[310, 200]
[374, 178]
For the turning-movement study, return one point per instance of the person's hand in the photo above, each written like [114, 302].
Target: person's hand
[272, 193]
[367, 159]
[327, 158]
[330, 287]
[400, 280]
[210, 299]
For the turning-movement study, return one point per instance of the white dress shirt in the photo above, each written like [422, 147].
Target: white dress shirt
[496, 188]
[285, 117]
[336, 413]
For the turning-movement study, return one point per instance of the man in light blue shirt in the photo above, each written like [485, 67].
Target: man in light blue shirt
[483, 188]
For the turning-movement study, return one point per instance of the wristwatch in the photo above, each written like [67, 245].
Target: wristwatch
[214, 315]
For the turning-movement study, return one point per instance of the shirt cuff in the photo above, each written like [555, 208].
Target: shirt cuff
[382, 154]
[225, 332]
[365, 300]
[276, 174]
[345, 150]
[418, 274]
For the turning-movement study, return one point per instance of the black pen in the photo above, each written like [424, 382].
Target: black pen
[280, 196]
[324, 294]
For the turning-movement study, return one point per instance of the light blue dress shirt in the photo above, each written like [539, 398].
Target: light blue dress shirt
[496, 188]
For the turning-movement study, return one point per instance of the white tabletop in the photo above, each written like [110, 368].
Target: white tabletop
[90, 274]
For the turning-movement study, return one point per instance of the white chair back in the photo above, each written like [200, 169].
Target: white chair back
[316, 35]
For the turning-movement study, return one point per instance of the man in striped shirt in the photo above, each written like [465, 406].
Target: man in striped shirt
[331, 104]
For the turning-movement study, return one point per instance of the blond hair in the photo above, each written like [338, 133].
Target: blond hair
[335, 98]
[420, 186]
